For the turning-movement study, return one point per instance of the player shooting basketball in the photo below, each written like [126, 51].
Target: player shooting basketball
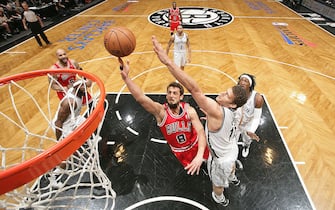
[178, 121]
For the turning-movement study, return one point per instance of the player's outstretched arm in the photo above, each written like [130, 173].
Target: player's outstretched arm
[188, 50]
[207, 104]
[255, 121]
[149, 105]
[169, 44]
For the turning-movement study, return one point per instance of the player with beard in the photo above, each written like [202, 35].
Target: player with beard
[62, 82]
[178, 121]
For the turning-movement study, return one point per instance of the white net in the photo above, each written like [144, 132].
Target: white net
[27, 111]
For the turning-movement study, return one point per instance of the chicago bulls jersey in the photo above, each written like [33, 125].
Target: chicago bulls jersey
[180, 134]
[66, 79]
[174, 15]
[177, 129]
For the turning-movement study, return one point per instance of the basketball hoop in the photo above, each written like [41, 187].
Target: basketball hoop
[23, 181]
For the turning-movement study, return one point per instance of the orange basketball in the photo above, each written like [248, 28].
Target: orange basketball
[119, 41]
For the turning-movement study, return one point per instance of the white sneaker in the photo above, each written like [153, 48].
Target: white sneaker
[245, 151]
[226, 183]
[223, 202]
[58, 171]
[239, 165]
[55, 183]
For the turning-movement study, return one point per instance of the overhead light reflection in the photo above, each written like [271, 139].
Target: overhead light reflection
[269, 156]
[128, 118]
[120, 153]
[300, 97]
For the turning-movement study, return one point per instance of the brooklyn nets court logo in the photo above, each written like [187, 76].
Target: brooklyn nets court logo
[194, 17]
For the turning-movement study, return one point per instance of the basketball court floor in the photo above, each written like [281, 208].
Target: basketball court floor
[292, 58]
[269, 179]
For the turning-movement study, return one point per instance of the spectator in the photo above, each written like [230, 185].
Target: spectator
[5, 22]
[15, 17]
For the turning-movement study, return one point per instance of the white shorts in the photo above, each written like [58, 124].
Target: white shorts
[180, 58]
[246, 139]
[219, 169]
[69, 126]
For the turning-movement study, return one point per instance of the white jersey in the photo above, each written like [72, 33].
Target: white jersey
[74, 119]
[180, 43]
[30, 16]
[223, 143]
[245, 113]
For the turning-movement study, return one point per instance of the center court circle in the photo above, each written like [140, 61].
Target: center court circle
[194, 18]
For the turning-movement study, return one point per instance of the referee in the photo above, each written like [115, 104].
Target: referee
[35, 24]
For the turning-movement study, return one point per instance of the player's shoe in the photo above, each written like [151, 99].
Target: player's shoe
[235, 181]
[245, 151]
[223, 202]
[239, 165]
[54, 183]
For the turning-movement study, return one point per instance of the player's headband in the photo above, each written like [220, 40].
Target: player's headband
[247, 77]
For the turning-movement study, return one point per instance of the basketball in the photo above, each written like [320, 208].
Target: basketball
[119, 41]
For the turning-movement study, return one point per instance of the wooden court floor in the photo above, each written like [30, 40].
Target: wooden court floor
[292, 59]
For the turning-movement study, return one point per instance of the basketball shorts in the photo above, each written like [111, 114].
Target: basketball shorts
[186, 157]
[180, 58]
[69, 126]
[246, 139]
[174, 25]
[219, 169]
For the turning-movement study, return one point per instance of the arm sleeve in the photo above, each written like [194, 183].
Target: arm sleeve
[255, 121]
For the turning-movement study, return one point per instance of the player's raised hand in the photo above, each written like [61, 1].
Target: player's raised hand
[124, 67]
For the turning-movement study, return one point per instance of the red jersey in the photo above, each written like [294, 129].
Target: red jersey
[180, 134]
[67, 79]
[174, 15]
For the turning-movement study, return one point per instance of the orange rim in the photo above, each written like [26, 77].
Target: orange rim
[23, 173]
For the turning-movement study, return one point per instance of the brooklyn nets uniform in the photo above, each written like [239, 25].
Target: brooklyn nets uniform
[180, 51]
[245, 115]
[223, 149]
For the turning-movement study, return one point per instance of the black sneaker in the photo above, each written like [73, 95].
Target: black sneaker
[223, 202]
[235, 181]
[4, 36]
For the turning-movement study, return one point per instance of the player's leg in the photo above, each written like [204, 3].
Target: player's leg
[246, 142]
[182, 61]
[219, 179]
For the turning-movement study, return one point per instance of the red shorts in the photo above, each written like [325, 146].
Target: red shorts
[174, 25]
[186, 157]
[62, 94]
